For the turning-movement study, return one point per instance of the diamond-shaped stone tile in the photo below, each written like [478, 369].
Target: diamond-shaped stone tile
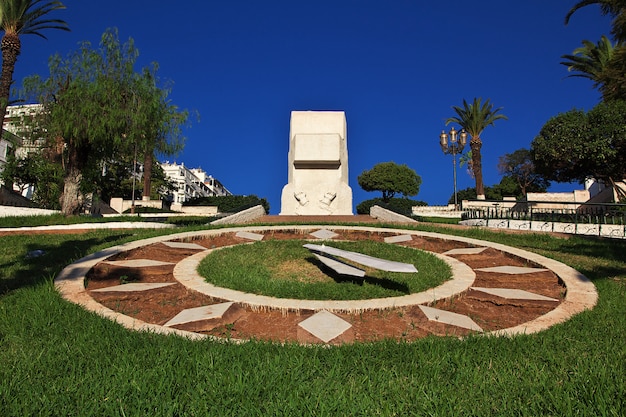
[464, 251]
[514, 294]
[184, 245]
[250, 236]
[325, 325]
[398, 239]
[134, 286]
[324, 234]
[214, 311]
[137, 263]
[448, 317]
[507, 269]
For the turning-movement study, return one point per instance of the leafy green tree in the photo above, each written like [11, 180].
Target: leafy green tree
[575, 145]
[99, 109]
[22, 17]
[474, 118]
[45, 176]
[519, 166]
[391, 179]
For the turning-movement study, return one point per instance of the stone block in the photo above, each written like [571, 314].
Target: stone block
[317, 165]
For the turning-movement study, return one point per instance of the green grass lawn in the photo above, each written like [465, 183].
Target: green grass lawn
[57, 359]
[285, 269]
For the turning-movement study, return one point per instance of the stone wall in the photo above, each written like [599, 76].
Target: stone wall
[385, 215]
[245, 216]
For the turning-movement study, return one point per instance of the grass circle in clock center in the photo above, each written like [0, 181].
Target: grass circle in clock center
[285, 269]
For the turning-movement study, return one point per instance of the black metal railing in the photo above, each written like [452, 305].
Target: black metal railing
[586, 218]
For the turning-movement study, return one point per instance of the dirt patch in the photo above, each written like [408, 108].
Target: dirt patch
[409, 323]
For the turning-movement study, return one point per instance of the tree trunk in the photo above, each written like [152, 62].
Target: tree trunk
[475, 145]
[71, 198]
[11, 46]
[147, 173]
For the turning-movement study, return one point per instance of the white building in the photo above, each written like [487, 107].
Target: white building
[192, 183]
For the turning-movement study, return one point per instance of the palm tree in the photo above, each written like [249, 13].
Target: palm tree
[466, 159]
[614, 8]
[590, 60]
[474, 118]
[21, 17]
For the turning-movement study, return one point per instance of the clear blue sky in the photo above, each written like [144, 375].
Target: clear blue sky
[395, 67]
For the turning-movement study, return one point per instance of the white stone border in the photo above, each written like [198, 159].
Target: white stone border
[186, 273]
[581, 294]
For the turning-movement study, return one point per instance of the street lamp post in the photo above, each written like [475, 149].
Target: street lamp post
[452, 143]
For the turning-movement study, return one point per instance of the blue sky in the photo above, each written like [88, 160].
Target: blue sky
[395, 68]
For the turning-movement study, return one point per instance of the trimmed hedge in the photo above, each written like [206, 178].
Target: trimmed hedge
[402, 206]
[230, 203]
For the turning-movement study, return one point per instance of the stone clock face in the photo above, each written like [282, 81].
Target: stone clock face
[459, 306]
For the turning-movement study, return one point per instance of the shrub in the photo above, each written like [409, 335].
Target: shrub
[402, 206]
[230, 203]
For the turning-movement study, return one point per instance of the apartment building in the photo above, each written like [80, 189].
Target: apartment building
[192, 182]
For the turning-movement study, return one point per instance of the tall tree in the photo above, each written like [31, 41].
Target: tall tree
[160, 125]
[474, 118]
[22, 17]
[93, 102]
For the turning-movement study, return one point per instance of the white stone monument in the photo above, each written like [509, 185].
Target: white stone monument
[318, 165]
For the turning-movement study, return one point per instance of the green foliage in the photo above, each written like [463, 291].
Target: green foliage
[101, 110]
[491, 193]
[402, 206]
[475, 117]
[391, 179]
[45, 176]
[230, 203]
[603, 63]
[518, 169]
[575, 145]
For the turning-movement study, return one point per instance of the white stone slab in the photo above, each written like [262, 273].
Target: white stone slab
[325, 325]
[359, 258]
[184, 245]
[214, 311]
[513, 270]
[324, 234]
[250, 236]
[340, 267]
[514, 294]
[134, 286]
[138, 263]
[398, 239]
[464, 251]
[448, 317]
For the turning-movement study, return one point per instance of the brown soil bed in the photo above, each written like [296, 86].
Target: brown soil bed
[409, 323]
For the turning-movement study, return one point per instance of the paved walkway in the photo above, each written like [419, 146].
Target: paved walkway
[326, 324]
